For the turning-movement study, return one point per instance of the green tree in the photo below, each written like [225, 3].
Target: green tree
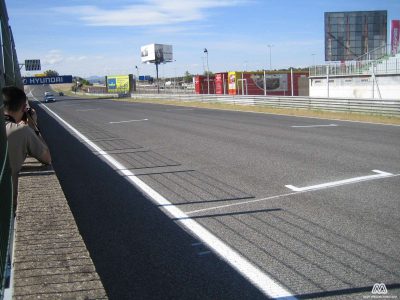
[187, 78]
[51, 73]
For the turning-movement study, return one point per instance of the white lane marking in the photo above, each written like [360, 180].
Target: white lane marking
[310, 126]
[128, 121]
[265, 199]
[380, 174]
[240, 203]
[88, 109]
[203, 253]
[262, 281]
[174, 109]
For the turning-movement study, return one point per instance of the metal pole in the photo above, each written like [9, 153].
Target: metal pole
[291, 80]
[137, 80]
[8, 59]
[224, 83]
[242, 84]
[327, 80]
[158, 83]
[265, 84]
[208, 76]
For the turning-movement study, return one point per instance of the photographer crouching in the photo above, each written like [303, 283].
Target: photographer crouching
[23, 134]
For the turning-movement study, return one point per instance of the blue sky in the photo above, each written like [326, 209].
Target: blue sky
[98, 37]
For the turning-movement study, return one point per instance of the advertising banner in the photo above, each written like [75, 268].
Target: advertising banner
[47, 80]
[118, 84]
[273, 82]
[156, 53]
[232, 82]
[395, 35]
[252, 83]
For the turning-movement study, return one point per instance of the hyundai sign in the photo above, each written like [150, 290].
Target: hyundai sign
[47, 80]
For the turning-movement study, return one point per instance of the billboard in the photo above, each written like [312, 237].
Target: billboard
[349, 35]
[253, 83]
[395, 35]
[47, 80]
[156, 53]
[118, 84]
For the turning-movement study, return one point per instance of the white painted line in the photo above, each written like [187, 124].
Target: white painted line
[262, 281]
[174, 109]
[203, 253]
[240, 203]
[311, 126]
[88, 109]
[380, 174]
[128, 121]
[265, 199]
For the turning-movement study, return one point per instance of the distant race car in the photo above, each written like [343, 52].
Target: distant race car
[61, 94]
[49, 98]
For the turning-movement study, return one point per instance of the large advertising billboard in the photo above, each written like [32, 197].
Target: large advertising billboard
[156, 53]
[118, 84]
[395, 36]
[351, 34]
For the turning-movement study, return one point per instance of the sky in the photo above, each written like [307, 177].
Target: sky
[99, 37]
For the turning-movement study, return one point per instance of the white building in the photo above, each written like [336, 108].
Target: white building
[364, 78]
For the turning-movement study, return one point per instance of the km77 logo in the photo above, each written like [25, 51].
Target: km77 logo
[379, 288]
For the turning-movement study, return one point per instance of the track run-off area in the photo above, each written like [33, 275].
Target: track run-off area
[199, 203]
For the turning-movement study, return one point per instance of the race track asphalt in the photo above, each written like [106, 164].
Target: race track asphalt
[230, 172]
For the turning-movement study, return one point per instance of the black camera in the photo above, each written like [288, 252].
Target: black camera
[27, 113]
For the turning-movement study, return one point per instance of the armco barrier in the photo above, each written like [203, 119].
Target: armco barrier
[370, 106]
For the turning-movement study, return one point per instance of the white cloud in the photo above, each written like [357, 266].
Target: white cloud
[53, 57]
[150, 12]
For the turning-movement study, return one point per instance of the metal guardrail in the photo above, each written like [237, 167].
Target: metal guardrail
[370, 106]
[390, 65]
[385, 63]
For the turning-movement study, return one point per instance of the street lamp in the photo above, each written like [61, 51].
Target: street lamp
[270, 61]
[137, 80]
[137, 70]
[208, 72]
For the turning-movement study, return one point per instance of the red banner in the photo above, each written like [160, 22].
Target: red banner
[395, 36]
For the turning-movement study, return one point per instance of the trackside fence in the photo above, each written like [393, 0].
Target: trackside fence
[9, 75]
[369, 106]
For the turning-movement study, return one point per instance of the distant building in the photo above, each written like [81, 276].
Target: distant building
[349, 35]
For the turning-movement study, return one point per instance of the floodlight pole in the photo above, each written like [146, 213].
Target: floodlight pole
[137, 80]
[208, 72]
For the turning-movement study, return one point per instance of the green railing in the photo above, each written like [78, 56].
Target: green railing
[9, 75]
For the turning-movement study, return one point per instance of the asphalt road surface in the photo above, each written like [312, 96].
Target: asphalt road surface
[191, 203]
